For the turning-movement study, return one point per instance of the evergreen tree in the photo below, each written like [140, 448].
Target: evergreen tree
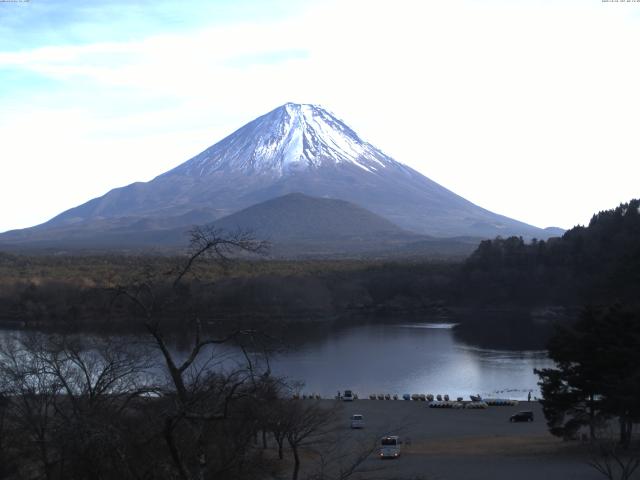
[597, 375]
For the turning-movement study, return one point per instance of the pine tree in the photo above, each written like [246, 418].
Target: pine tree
[597, 375]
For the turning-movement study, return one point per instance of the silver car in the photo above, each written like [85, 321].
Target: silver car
[357, 421]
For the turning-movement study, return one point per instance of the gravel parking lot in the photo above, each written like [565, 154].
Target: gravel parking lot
[461, 444]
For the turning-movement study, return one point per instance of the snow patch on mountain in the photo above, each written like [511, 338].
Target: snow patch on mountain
[287, 139]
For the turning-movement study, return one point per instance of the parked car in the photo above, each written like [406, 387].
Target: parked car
[522, 417]
[348, 396]
[390, 446]
[357, 421]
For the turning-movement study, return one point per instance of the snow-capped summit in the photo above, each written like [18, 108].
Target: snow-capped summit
[292, 137]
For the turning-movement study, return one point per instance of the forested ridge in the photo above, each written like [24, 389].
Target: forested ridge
[596, 264]
[599, 263]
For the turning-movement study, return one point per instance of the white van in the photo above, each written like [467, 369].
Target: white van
[347, 396]
[357, 421]
[390, 446]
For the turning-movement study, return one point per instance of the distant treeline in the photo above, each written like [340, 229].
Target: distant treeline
[247, 293]
[597, 264]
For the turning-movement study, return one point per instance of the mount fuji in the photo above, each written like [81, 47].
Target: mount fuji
[292, 149]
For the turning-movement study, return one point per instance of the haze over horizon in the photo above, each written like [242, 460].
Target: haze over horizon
[526, 110]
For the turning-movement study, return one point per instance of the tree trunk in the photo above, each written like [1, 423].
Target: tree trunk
[201, 445]
[296, 462]
[175, 455]
[626, 427]
[280, 443]
[202, 464]
[48, 466]
[592, 418]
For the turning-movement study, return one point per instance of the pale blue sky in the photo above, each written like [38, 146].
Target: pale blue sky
[63, 22]
[526, 108]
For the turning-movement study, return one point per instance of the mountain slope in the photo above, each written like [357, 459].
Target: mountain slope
[297, 217]
[298, 225]
[294, 148]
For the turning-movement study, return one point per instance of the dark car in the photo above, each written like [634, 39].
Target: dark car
[521, 417]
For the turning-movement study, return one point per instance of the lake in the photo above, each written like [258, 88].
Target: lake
[409, 358]
[388, 358]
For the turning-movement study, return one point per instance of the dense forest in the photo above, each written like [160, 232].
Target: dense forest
[522, 291]
[50, 292]
[596, 264]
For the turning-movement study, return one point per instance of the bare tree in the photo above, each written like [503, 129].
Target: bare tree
[31, 407]
[613, 459]
[8, 464]
[92, 409]
[341, 456]
[200, 397]
[65, 401]
[306, 424]
[278, 424]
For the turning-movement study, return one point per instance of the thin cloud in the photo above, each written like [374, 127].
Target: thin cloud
[510, 104]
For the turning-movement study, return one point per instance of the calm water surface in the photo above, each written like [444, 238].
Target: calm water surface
[387, 358]
[409, 358]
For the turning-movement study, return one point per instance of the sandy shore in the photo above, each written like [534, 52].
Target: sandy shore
[461, 444]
